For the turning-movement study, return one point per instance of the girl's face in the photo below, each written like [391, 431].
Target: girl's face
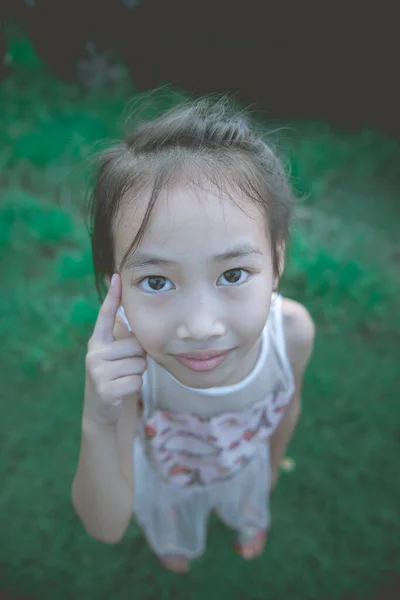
[200, 282]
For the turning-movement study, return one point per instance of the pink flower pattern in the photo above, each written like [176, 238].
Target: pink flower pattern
[190, 450]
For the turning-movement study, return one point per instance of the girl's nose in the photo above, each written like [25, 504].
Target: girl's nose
[201, 323]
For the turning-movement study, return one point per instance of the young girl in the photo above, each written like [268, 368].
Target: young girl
[195, 365]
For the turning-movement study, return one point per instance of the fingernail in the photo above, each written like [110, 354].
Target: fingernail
[113, 279]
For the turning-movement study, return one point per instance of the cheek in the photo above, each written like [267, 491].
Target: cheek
[252, 312]
[145, 319]
[255, 297]
[252, 320]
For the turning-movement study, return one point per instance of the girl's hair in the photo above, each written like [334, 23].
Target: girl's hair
[201, 141]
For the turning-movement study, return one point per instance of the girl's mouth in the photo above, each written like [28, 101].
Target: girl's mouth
[204, 360]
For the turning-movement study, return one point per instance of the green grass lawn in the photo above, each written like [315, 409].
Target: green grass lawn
[335, 517]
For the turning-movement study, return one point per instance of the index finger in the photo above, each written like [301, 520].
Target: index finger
[104, 327]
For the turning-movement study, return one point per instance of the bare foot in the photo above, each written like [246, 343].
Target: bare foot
[251, 542]
[177, 564]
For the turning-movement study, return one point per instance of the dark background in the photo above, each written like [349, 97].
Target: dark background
[337, 61]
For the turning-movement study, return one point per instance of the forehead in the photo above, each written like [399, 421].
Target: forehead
[185, 217]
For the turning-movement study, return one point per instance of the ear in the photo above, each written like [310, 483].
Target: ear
[281, 264]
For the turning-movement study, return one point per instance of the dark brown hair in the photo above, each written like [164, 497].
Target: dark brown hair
[203, 140]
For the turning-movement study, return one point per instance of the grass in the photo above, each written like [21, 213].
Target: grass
[335, 517]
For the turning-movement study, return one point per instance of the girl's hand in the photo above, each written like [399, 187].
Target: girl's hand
[114, 367]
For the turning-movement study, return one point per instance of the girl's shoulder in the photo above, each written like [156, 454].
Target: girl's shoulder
[299, 333]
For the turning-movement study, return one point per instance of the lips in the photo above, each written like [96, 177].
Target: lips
[203, 360]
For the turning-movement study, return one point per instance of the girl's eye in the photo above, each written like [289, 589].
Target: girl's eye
[155, 283]
[234, 277]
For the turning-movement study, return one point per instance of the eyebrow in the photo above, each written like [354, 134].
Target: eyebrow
[137, 259]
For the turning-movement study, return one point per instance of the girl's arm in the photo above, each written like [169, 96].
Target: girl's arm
[102, 490]
[299, 331]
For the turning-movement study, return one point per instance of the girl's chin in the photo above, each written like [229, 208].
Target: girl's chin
[217, 377]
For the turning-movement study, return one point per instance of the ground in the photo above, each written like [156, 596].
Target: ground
[335, 516]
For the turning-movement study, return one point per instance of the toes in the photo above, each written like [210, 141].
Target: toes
[253, 547]
[247, 552]
[178, 564]
[258, 547]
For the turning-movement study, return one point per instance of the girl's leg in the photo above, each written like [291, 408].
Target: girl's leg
[254, 509]
[175, 562]
[254, 522]
[250, 539]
